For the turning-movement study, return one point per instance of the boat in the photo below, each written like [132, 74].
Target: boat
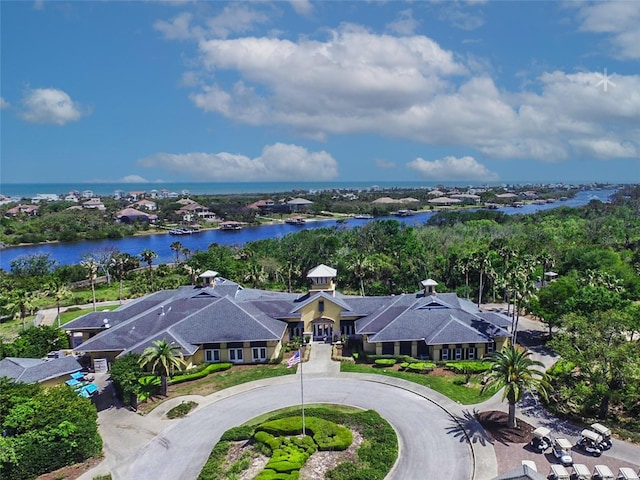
[296, 221]
[363, 216]
[404, 213]
[231, 226]
[181, 231]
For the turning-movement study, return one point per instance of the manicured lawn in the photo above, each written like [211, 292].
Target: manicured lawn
[66, 317]
[451, 386]
[11, 328]
[219, 381]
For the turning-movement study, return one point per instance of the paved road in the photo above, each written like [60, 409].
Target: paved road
[431, 444]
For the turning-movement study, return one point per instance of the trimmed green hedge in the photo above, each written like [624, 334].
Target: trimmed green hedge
[385, 362]
[211, 368]
[376, 455]
[419, 367]
[469, 366]
[326, 434]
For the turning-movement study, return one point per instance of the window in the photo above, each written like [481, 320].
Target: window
[490, 348]
[235, 355]
[471, 355]
[458, 353]
[321, 305]
[212, 355]
[259, 354]
[444, 354]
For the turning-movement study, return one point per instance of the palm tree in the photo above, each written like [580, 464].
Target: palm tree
[122, 262]
[164, 357]
[60, 291]
[22, 302]
[517, 373]
[92, 269]
[147, 257]
[178, 248]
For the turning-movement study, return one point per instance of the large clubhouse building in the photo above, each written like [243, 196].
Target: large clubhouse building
[223, 321]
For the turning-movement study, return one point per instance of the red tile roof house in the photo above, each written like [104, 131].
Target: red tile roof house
[30, 210]
[223, 321]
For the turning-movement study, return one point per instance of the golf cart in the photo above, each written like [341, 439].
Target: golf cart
[558, 472]
[561, 448]
[581, 472]
[605, 433]
[626, 473]
[590, 442]
[602, 472]
[541, 439]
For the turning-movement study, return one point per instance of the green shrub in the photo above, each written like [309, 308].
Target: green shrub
[211, 368]
[181, 410]
[419, 367]
[268, 439]
[243, 432]
[469, 366]
[385, 362]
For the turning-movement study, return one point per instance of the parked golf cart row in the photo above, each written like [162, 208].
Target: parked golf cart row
[593, 440]
[581, 472]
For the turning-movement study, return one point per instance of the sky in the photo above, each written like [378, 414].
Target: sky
[179, 91]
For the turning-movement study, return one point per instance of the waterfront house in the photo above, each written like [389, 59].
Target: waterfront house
[130, 215]
[298, 204]
[444, 201]
[193, 211]
[223, 321]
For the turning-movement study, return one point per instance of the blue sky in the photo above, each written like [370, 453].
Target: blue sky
[320, 91]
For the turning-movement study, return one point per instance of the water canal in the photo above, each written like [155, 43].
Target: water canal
[71, 253]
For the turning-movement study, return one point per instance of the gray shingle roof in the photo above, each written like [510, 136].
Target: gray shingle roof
[32, 370]
[190, 316]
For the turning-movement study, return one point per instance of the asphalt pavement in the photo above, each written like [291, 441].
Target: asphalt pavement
[438, 438]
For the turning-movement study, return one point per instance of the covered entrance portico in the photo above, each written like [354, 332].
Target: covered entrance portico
[322, 328]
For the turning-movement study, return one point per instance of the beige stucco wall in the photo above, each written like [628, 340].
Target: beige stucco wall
[311, 312]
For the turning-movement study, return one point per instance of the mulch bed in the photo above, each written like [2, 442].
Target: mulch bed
[495, 424]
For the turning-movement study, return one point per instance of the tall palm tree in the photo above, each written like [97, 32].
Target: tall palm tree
[92, 270]
[178, 248]
[122, 262]
[164, 358]
[517, 373]
[60, 291]
[147, 257]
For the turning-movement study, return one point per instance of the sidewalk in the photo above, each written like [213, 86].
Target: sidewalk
[320, 362]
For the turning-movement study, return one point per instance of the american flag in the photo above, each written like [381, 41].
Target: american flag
[293, 361]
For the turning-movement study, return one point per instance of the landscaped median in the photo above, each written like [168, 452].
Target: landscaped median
[460, 381]
[278, 440]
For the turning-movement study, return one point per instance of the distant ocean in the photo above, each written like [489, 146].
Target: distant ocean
[29, 190]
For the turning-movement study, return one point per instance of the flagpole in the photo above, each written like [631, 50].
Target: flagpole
[302, 394]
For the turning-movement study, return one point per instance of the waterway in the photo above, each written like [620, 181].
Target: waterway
[71, 253]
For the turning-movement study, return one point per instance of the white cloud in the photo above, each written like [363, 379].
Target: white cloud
[179, 28]
[381, 163]
[4, 104]
[404, 24]
[462, 15]
[133, 179]
[452, 168]
[50, 105]
[355, 81]
[302, 7]
[277, 162]
[620, 19]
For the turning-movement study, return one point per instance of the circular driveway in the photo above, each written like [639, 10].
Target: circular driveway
[430, 443]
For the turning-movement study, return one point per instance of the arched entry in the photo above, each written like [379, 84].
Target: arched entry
[322, 328]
